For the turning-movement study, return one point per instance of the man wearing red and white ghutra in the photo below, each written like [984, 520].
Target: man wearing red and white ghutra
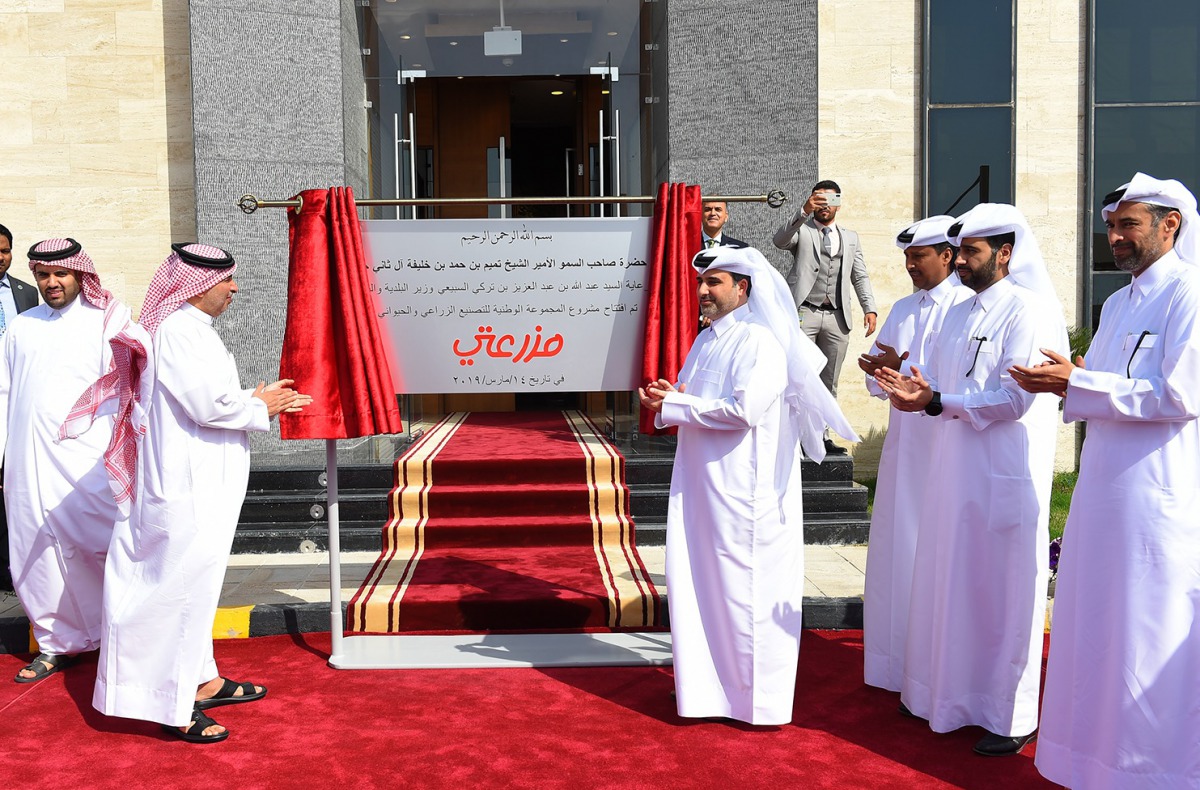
[748, 398]
[1122, 701]
[61, 509]
[167, 563]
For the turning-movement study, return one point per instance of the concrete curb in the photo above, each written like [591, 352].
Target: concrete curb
[240, 622]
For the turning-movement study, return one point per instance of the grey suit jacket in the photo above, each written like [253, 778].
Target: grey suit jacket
[24, 294]
[801, 237]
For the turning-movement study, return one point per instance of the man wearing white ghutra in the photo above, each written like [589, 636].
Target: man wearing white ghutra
[907, 338]
[1122, 702]
[974, 650]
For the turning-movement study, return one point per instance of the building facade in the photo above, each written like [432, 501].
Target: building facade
[134, 123]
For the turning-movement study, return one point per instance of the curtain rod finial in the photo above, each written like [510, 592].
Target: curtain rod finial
[248, 204]
[776, 198]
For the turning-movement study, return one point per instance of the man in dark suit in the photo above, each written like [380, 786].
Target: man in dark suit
[15, 297]
[715, 215]
[827, 272]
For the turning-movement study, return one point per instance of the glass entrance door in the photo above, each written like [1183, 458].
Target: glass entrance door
[496, 136]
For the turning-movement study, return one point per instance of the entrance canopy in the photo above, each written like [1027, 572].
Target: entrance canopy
[452, 38]
[525, 98]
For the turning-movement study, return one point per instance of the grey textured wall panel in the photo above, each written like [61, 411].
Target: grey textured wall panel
[268, 120]
[743, 105]
[314, 9]
[266, 86]
[354, 115]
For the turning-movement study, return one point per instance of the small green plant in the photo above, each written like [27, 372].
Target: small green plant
[1080, 339]
[1060, 501]
[869, 482]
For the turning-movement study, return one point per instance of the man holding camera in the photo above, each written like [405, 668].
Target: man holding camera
[823, 254]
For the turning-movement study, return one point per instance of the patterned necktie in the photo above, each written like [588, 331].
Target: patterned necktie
[3, 322]
[710, 243]
[826, 241]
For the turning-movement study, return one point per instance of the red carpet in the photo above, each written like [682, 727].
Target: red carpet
[521, 728]
[507, 522]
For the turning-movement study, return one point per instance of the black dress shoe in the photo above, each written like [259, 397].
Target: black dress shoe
[1003, 745]
[833, 449]
[904, 711]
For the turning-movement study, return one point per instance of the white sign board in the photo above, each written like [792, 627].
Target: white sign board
[512, 305]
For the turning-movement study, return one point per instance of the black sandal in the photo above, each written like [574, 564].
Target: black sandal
[225, 695]
[195, 733]
[45, 665]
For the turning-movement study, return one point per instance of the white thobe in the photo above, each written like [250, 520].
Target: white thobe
[912, 325]
[60, 506]
[166, 565]
[1122, 701]
[735, 541]
[977, 609]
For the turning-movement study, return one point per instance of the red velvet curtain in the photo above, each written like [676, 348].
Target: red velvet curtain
[333, 345]
[672, 309]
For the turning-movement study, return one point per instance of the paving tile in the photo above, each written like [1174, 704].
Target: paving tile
[855, 555]
[10, 605]
[245, 560]
[258, 575]
[290, 573]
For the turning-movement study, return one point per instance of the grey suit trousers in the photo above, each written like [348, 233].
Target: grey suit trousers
[824, 329]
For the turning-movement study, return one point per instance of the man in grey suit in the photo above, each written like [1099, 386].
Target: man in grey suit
[15, 297]
[827, 265]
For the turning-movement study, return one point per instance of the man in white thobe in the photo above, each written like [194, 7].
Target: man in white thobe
[167, 563]
[60, 506]
[748, 396]
[977, 611]
[907, 337]
[1122, 701]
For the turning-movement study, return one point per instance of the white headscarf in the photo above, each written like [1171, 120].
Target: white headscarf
[772, 305]
[1026, 267]
[925, 232]
[1170, 193]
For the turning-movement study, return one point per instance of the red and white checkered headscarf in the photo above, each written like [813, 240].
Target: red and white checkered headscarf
[127, 371]
[68, 254]
[130, 379]
[188, 271]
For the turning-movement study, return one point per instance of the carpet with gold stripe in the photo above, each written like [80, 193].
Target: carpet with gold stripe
[508, 522]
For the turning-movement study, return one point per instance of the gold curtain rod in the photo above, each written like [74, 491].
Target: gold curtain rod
[249, 203]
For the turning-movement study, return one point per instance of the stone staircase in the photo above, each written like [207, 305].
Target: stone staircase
[285, 510]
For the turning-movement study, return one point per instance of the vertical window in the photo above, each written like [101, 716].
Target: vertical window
[1144, 113]
[969, 72]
